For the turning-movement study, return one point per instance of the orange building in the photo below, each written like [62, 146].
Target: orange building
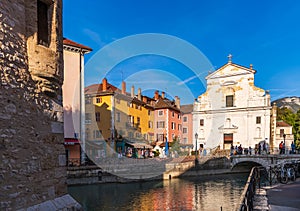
[113, 115]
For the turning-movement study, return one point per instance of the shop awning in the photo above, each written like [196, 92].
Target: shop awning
[139, 145]
[71, 141]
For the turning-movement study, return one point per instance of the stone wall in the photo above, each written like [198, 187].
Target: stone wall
[32, 167]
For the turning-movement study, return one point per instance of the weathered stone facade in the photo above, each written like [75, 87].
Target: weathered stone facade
[32, 167]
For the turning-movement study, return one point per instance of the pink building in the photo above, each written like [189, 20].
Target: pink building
[73, 104]
[167, 116]
[188, 135]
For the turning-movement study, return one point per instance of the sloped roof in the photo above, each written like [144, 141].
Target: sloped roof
[282, 124]
[185, 109]
[98, 88]
[165, 103]
[75, 44]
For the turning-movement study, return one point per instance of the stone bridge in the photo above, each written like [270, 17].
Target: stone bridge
[263, 160]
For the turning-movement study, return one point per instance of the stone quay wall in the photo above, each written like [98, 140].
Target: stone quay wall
[32, 167]
[94, 175]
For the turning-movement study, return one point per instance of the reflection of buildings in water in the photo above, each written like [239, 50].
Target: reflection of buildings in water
[191, 196]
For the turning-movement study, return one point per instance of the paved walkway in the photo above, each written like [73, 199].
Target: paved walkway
[281, 197]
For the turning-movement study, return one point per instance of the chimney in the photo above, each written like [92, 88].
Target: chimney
[139, 94]
[162, 95]
[144, 99]
[156, 95]
[251, 66]
[177, 102]
[104, 84]
[132, 91]
[123, 87]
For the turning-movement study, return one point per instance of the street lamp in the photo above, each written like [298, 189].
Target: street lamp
[284, 135]
[196, 159]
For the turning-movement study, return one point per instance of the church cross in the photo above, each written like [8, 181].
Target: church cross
[229, 58]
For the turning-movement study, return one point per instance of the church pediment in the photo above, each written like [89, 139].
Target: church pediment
[230, 127]
[230, 69]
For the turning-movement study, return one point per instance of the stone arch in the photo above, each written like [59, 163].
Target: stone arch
[260, 161]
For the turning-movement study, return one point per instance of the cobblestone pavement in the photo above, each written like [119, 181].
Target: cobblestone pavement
[281, 197]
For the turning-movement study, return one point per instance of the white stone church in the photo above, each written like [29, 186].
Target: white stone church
[232, 110]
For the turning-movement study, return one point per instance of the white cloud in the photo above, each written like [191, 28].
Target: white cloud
[94, 36]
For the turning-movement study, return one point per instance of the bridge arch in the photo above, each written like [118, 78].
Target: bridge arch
[239, 160]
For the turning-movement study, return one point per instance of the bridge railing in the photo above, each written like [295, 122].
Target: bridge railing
[246, 199]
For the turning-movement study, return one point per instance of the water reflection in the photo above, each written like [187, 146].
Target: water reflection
[205, 193]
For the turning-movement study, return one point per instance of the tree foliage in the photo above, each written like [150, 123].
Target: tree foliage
[292, 119]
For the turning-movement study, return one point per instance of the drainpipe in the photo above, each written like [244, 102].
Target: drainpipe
[82, 109]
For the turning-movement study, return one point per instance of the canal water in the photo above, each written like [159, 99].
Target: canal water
[207, 193]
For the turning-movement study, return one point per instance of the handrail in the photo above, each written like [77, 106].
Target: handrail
[246, 199]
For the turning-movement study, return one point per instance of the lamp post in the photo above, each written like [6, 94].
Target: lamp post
[284, 135]
[196, 153]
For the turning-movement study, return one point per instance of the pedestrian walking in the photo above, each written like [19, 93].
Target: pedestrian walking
[281, 147]
[293, 147]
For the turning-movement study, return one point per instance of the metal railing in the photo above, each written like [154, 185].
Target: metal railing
[246, 199]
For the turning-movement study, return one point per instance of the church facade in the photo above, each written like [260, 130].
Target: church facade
[232, 110]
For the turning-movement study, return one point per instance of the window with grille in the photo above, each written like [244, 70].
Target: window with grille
[160, 124]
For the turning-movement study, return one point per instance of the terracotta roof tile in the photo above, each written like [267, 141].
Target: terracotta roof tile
[75, 44]
[282, 124]
[186, 108]
[165, 103]
[97, 88]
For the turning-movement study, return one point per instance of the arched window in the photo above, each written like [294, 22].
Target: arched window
[258, 132]
[228, 123]
[201, 133]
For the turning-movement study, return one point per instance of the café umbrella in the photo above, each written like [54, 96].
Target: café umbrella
[167, 148]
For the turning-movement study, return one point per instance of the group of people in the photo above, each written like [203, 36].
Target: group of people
[282, 148]
[239, 150]
[260, 148]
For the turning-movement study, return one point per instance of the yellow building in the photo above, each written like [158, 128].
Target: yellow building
[113, 114]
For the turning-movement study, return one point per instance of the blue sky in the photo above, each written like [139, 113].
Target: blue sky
[263, 33]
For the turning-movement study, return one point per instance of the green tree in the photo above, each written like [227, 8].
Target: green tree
[292, 119]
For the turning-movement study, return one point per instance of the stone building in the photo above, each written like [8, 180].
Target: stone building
[32, 167]
[232, 110]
